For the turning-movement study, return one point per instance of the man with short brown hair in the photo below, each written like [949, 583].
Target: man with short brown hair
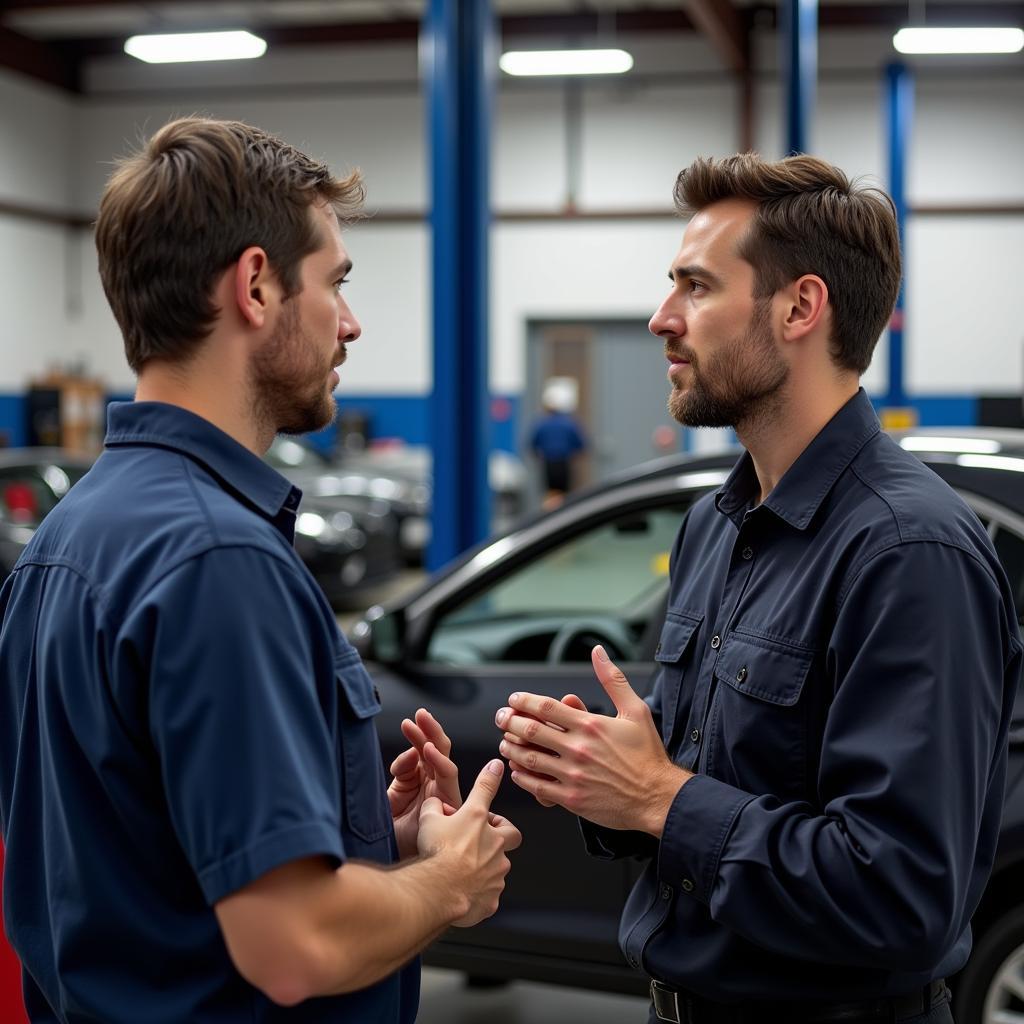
[196, 818]
[816, 780]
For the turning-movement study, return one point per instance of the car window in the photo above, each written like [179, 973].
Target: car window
[599, 586]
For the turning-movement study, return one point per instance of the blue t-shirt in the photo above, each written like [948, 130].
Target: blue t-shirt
[179, 714]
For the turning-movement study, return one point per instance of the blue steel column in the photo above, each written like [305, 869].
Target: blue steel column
[459, 61]
[798, 58]
[899, 110]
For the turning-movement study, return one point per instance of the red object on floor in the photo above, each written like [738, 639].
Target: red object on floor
[12, 1008]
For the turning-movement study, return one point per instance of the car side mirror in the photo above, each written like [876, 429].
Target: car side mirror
[379, 635]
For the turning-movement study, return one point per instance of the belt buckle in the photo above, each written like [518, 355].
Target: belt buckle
[666, 1003]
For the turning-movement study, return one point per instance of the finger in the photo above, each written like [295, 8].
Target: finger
[615, 684]
[515, 766]
[486, 786]
[544, 709]
[448, 809]
[445, 774]
[406, 763]
[511, 837]
[536, 734]
[413, 733]
[543, 791]
[433, 731]
[572, 701]
[534, 760]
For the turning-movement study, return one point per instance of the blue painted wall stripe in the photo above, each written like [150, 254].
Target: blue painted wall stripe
[406, 417]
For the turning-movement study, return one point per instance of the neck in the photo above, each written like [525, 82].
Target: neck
[777, 436]
[217, 394]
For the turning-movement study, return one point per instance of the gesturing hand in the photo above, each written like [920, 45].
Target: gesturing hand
[612, 771]
[474, 841]
[423, 770]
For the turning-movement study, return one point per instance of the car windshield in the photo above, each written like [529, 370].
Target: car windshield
[614, 571]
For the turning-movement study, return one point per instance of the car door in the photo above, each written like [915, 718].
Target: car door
[529, 624]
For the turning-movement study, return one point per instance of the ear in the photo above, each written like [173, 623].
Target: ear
[256, 286]
[806, 307]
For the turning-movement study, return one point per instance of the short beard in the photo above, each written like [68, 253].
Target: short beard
[741, 383]
[286, 382]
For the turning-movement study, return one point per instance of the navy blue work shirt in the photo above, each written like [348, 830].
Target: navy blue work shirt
[557, 437]
[179, 714]
[838, 666]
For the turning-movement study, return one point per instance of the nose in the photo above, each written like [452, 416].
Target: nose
[667, 322]
[348, 325]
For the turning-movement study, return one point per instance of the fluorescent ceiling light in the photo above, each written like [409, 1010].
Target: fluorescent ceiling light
[959, 40]
[190, 46]
[565, 62]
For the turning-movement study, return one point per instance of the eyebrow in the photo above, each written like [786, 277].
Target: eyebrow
[343, 269]
[693, 270]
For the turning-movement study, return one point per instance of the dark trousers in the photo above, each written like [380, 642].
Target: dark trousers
[708, 1013]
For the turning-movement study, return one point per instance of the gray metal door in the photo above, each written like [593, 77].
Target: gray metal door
[623, 390]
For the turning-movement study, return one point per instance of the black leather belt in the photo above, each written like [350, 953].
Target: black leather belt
[678, 1007]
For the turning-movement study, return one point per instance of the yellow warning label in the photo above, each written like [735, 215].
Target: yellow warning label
[895, 418]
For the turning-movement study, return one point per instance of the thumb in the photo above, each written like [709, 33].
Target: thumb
[486, 786]
[615, 684]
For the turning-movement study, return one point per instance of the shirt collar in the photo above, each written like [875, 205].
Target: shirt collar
[169, 426]
[803, 487]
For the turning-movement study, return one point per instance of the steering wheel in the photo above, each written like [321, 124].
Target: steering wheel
[585, 632]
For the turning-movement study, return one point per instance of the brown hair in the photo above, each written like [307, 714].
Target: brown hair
[811, 219]
[179, 212]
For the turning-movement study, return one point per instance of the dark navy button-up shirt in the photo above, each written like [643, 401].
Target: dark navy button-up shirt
[179, 714]
[838, 666]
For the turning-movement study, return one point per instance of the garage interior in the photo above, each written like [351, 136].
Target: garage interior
[534, 248]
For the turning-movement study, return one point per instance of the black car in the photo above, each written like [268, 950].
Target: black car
[523, 612]
[32, 481]
[348, 549]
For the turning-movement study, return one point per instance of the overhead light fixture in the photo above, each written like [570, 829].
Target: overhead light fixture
[180, 47]
[959, 40]
[565, 62]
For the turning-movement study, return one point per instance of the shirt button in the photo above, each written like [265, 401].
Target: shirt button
[695, 735]
[666, 892]
[716, 642]
[748, 553]
[687, 885]
[741, 675]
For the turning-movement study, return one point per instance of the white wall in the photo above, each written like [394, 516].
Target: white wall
[964, 332]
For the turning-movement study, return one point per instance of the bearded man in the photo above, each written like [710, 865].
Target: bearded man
[816, 780]
[196, 818]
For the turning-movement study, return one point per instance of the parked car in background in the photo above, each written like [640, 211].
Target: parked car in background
[32, 481]
[350, 548]
[523, 612]
[398, 476]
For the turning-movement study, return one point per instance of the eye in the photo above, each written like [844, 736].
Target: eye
[695, 287]
[340, 282]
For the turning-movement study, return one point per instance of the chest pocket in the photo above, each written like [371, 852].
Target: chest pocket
[676, 640]
[756, 735]
[362, 769]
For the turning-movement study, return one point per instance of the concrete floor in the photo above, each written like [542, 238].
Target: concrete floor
[446, 999]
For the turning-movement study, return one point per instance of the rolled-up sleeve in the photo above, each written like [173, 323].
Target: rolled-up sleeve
[911, 769]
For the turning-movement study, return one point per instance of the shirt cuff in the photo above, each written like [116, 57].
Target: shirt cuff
[611, 844]
[696, 830]
[239, 869]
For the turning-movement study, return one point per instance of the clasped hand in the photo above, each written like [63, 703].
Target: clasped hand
[612, 771]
